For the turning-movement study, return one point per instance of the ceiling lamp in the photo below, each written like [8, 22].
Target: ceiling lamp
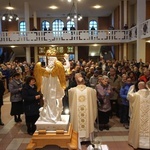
[73, 14]
[9, 15]
[71, 1]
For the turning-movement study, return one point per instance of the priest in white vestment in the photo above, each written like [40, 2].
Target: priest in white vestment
[83, 108]
[139, 129]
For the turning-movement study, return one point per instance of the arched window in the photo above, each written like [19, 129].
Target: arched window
[70, 24]
[22, 27]
[57, 27]
[45, 25]
[92, 24]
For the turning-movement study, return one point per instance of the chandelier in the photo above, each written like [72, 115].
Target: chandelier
[72, 15]
[9, 15]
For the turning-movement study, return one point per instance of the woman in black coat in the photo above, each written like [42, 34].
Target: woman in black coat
[2, 90]
[31, 104]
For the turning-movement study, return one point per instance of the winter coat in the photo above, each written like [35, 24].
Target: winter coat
[31, 104]
[104, 97]
[123, 94]
[116, 85]
[14, 88]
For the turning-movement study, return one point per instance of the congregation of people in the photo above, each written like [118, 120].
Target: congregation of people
[121, 87]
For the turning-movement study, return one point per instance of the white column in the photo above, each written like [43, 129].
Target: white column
[28, 55]
[125, 51]
[76, 11]
[76, 25]
[35, 48]
[76, 53]
[125, 12]
[35, 54]
[141, 16]
[125, 21]
[120, 17]
[35, 19]
[112, 19]
[26, 12]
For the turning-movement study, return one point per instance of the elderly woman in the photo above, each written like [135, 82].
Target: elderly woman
[15, 88]
[31, 104]
[104, 92]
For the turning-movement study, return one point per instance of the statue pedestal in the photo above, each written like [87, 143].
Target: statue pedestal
[48, 126]
[62, 138]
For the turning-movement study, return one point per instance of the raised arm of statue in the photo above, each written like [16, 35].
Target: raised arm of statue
[67, 63]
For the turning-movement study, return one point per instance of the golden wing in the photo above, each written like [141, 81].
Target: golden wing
[38, 73]
[59, 71]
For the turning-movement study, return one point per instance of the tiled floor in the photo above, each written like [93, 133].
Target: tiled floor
[14, 136]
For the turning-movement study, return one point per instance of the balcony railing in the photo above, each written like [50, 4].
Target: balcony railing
[74, 36]
[60, 37]
[145, 29]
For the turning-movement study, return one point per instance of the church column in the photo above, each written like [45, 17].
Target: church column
[76, 11]
[36, 54]
[28, 55]
[27, 15]
[125, 51]
[35, 19]
[125, 21]
[76, 26]
[76, 53]
[125, 18]
[141, 16]
[120, 15]
[35, 47]
[120, 52]
[112, 19]
[120, 26]
[26, 10]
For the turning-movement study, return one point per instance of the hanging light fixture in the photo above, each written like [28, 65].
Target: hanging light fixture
[72, 15]
[9, 15]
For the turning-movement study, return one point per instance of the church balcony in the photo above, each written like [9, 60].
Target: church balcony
[74, 36]
[63, 37]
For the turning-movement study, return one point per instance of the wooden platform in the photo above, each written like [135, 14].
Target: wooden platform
[63, 139]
